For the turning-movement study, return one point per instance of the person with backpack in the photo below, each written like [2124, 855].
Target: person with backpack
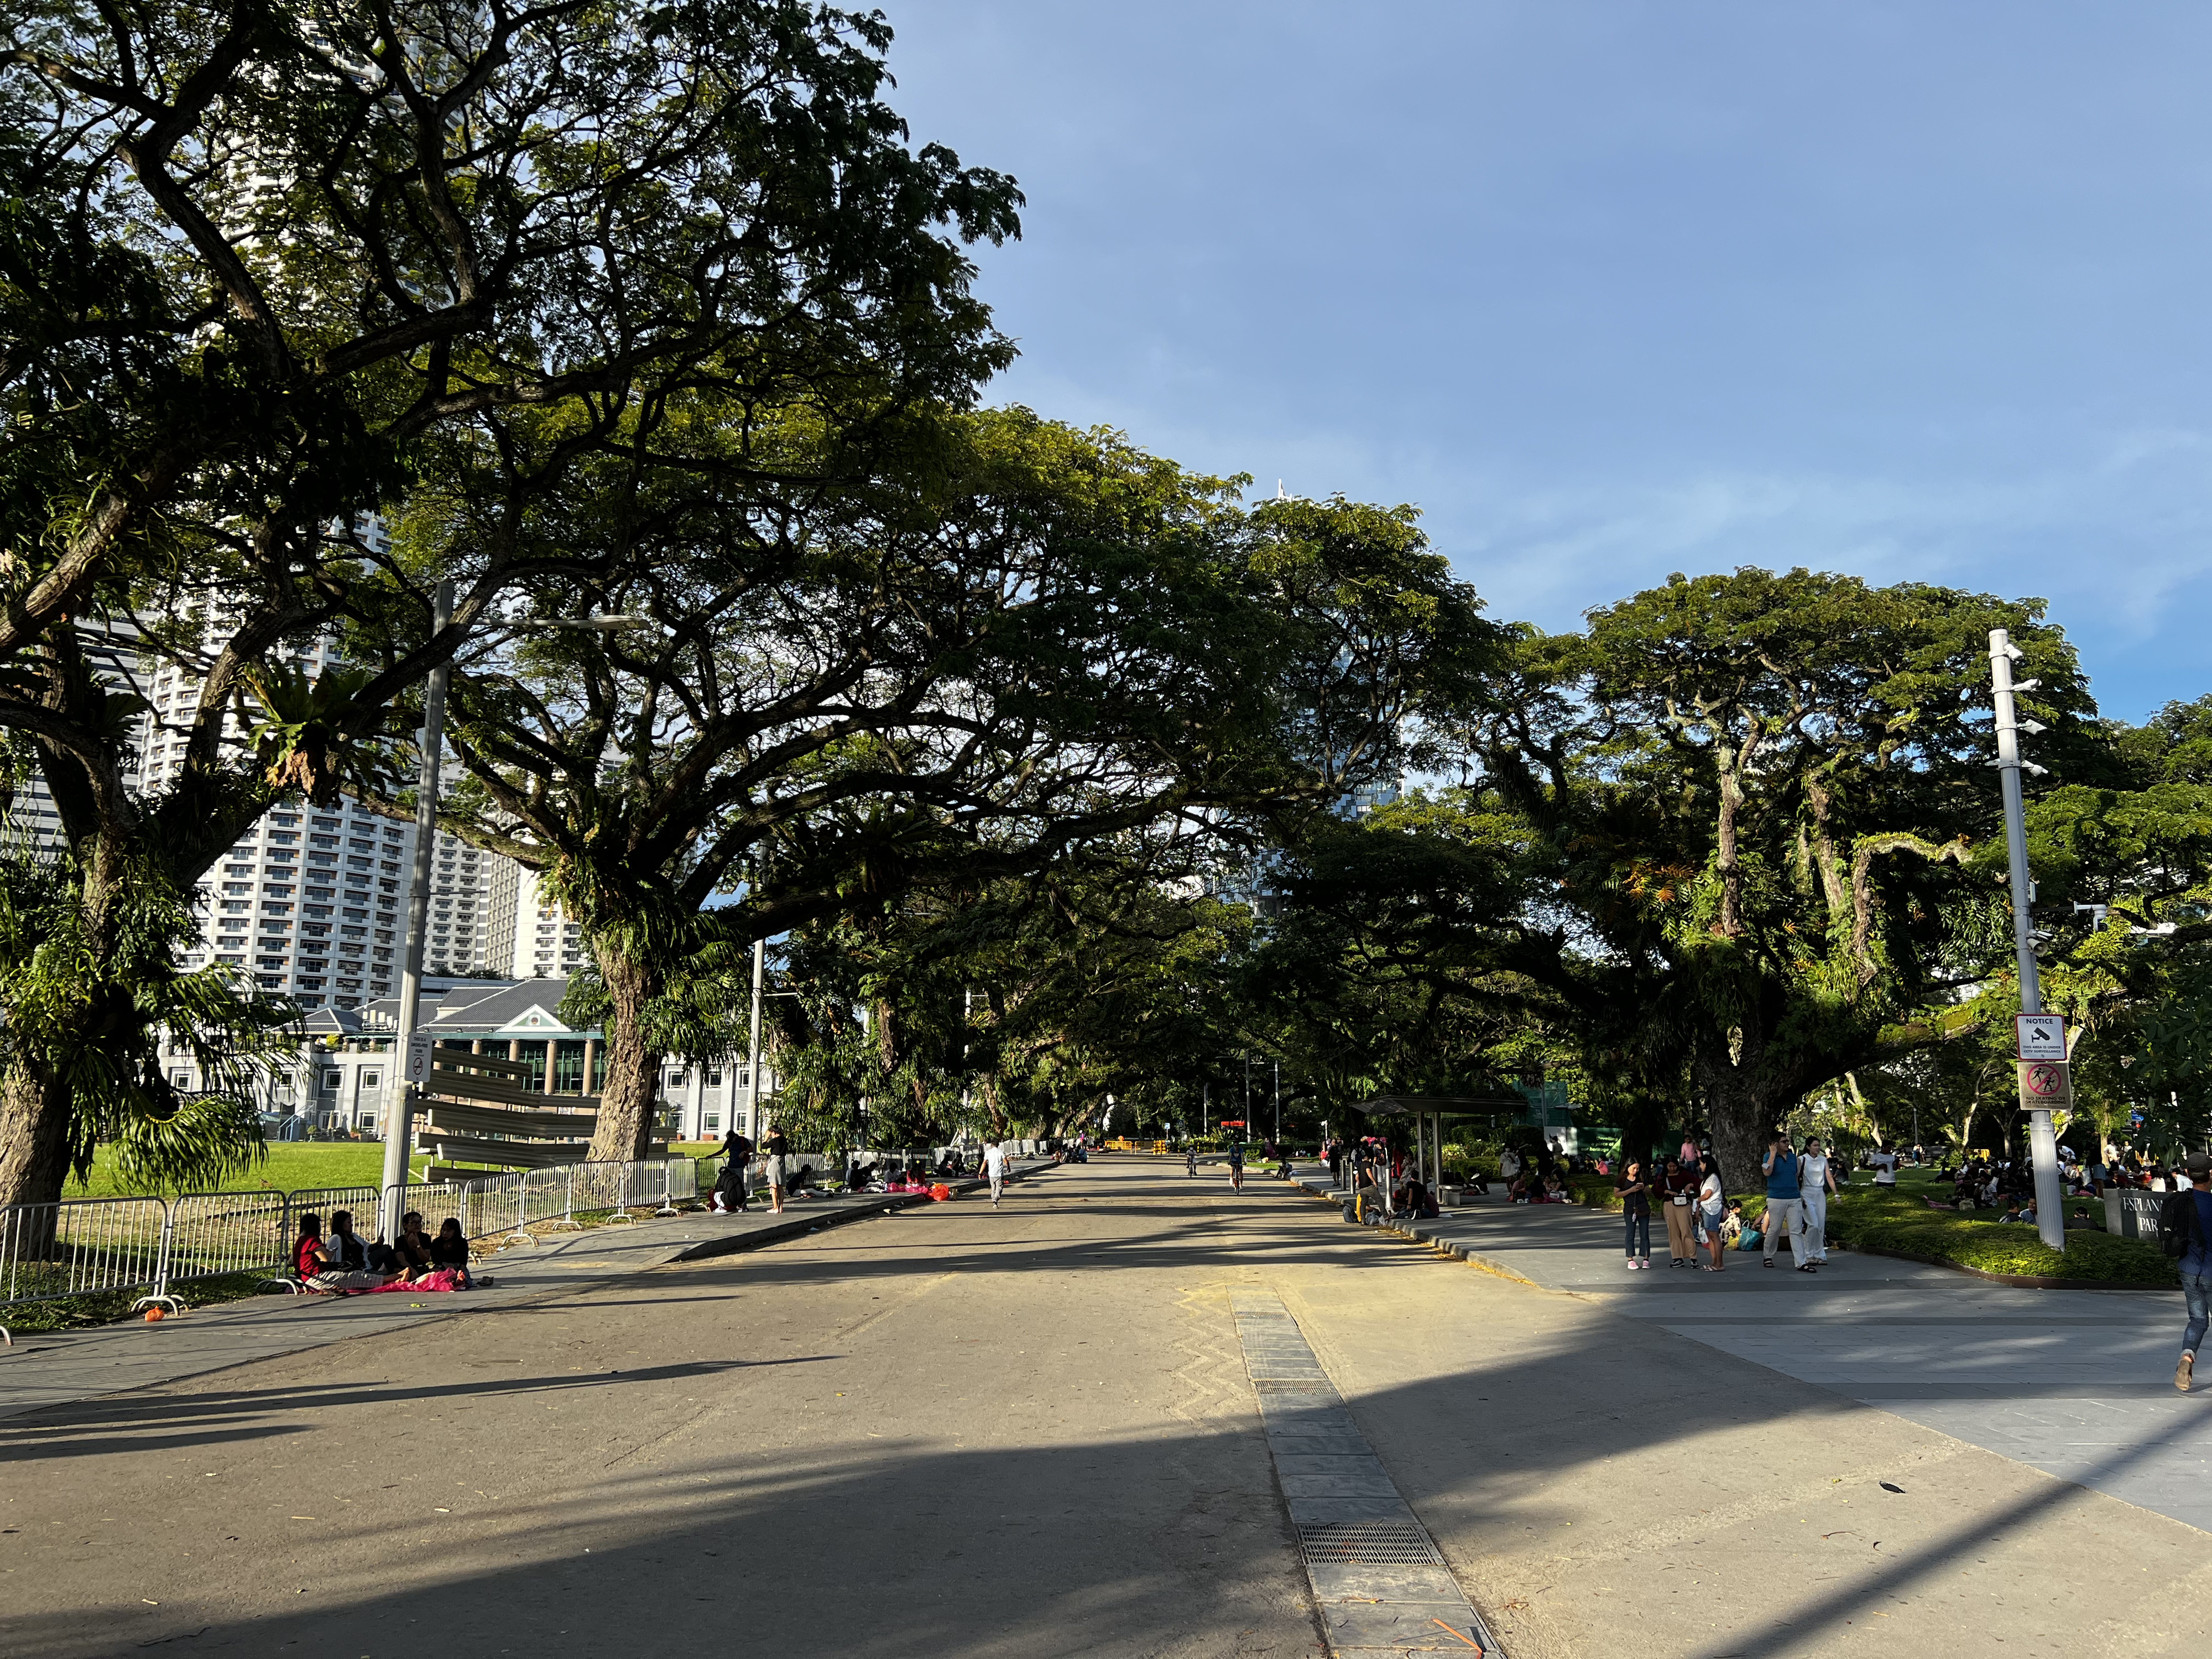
[2184, 1234]
[1237, 1166]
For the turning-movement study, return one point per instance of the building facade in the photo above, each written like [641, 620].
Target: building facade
[347, 1070]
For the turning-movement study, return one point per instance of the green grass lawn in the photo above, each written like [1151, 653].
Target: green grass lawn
[292, 1165]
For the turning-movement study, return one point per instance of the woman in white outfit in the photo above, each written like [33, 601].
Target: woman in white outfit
[1816, 1179]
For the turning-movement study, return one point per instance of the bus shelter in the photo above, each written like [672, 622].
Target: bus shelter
[1425, 1115]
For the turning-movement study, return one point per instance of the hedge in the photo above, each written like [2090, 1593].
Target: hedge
[1866, 1220]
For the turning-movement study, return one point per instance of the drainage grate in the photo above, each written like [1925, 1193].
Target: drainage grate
[1366, 1544]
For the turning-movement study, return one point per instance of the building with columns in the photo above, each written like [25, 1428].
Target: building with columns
[348, 1069]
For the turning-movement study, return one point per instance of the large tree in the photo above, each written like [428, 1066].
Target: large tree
[1766, 799]
[264, 261]
[998, 640]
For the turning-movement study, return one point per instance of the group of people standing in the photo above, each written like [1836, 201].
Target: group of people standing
[732, 1193]
[1688, 1190]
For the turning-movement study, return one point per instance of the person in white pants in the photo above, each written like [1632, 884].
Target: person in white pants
[1816, 1179]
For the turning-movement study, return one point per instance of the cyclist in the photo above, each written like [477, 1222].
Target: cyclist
[1190, 1159]
[1237, 1166]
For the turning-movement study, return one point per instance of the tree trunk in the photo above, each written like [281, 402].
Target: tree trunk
[34, 1121]
[1743, 1107]
[624, 1130]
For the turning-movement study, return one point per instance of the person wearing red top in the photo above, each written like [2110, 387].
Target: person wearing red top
[312, 1262]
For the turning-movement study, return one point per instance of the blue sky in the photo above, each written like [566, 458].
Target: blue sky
[1609, 291]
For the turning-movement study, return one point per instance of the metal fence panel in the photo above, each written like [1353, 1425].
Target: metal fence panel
[545, 1194]
[211, 1234]
[80, 1247]
[595, 1187]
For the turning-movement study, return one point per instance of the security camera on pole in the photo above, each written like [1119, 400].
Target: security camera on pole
[2039, 1046]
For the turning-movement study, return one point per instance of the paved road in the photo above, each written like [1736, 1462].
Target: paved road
[1035, 1432]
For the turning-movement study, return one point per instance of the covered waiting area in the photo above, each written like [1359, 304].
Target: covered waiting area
[1426, 1115]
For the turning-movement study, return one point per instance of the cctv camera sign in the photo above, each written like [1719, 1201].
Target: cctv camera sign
[2039, 1036]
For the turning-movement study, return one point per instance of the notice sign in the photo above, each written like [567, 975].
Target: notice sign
[2044, 1085]
[418, 1058]
[2039, 1036]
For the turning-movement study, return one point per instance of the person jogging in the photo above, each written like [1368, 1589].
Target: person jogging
[1780, 1164]
[995, 1170]
[2184, 1234]
[1237, 1166]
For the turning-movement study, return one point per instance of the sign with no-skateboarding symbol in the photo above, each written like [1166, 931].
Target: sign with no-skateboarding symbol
[2045, 1084]
[2039, 1036]
[418, 1058]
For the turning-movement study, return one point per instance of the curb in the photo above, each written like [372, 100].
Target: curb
[800, 1225]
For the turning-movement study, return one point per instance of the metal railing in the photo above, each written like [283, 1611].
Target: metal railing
[97, 1246]
[82, 1247]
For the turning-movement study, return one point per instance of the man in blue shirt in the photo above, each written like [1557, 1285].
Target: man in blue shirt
[2187, 1221]
[1780, 1164]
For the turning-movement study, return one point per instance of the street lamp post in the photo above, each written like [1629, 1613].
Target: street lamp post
[2043, 1139]
[399, 1115]
[414, 1079]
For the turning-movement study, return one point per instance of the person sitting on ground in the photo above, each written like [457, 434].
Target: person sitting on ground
[2081, 1220]
[347, 1251]
[413, 1248]
[1555, 1190]
[317, 1270]
[450, 1250]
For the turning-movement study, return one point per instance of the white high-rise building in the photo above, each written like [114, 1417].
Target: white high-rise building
[458, 938]
[538, 938]
[312, 903]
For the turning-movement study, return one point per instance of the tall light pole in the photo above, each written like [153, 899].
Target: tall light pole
[1279, 1103]
[2043, 1140]
[399, 1126]
[752, 1048]
[399, 1117]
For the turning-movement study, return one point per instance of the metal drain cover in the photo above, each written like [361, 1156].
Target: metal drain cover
[1367, 1544]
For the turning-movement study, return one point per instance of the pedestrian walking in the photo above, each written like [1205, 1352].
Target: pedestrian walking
[2185, 1233]
[1816, 1179]
[1190, 1160]
[1780, 1164]
[1678, 1190]
[1237, 1166]
[1711, 1201]
[995, 1170]
[775, 1165]
[1636, 1214]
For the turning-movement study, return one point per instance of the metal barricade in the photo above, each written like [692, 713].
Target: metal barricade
[547, 1197]
[214, 1234]
[494, 1206]
[595, 1187]
[82, 1247]
[683, 1179]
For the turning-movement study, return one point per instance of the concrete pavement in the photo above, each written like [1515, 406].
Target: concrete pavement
[2076, 1382]
[1032, 1432]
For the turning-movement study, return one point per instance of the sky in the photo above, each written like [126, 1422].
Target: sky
[1911, 292]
